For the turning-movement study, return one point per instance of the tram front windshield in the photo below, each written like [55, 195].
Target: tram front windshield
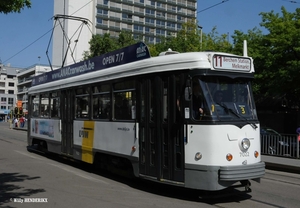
[223, 98]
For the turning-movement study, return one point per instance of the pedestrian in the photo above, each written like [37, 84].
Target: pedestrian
[21, 121]
[298, 132]
[16, 122]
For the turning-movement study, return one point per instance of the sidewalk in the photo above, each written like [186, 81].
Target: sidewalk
[281, 163]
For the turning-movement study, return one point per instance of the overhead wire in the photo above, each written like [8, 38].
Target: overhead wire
[294, 2]
[212, 6]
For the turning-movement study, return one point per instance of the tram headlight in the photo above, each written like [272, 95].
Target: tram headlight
[245, 144]
[198, 156]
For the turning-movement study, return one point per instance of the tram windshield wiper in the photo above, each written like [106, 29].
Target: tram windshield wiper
[237, 115]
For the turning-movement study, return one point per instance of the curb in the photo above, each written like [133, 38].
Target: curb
[282, 167]
[21, 129]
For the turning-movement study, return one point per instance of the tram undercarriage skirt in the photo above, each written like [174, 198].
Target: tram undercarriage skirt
[217, 178]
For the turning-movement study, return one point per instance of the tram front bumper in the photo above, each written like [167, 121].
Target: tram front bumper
[242, 172]
[221, 177]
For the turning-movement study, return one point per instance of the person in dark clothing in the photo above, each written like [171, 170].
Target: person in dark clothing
[218, 97]
[197, 102]
[121, 108]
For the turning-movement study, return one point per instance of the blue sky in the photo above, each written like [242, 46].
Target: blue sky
[25, 37]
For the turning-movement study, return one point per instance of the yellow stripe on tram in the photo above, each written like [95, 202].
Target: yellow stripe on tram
[88, 141]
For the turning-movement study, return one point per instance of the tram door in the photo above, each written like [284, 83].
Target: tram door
[160, 132]
[67, 115]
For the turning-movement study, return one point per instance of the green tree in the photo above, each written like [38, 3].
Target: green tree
[165, 44]
[256, 50]
[215, 42]
[283, 44]
[9, 6]
[188, 38]
[125, 39]
[276, 56]
[100, 44]
[279, 67]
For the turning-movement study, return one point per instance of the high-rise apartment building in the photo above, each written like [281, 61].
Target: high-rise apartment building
[148, 21]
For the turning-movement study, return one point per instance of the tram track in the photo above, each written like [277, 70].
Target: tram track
[282, 177]
[235, 201]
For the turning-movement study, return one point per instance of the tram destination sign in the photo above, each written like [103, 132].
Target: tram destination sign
[234, 63]
[136, 52]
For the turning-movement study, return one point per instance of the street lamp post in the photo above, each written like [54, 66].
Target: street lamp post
[200, 27]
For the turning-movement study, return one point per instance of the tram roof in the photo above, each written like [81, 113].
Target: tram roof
[180, 61]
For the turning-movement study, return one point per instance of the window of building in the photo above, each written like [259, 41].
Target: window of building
[11, 84]
[160, 22]
[150, 21]
[160, 32]
[10, 101]
[171, 24]
[3, 99]
[11, 92]
[3, 107]
[150, 11]
[102, 11]
[149, 39]
[99, 20]
[138, 28]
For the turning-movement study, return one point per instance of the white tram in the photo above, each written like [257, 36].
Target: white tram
[129, 111]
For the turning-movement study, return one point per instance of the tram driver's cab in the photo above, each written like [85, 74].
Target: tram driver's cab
[222, 98]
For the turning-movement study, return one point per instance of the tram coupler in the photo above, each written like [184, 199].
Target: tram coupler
[246, 184]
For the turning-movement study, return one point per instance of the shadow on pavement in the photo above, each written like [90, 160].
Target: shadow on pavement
[10, 189]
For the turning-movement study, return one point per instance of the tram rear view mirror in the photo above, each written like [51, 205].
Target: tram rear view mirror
[187, 93]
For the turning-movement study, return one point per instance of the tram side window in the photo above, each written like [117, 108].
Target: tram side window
[54, 103]
[82, 103]
[124, 101]
[44, 105]
[35, 106]
[101, 102]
